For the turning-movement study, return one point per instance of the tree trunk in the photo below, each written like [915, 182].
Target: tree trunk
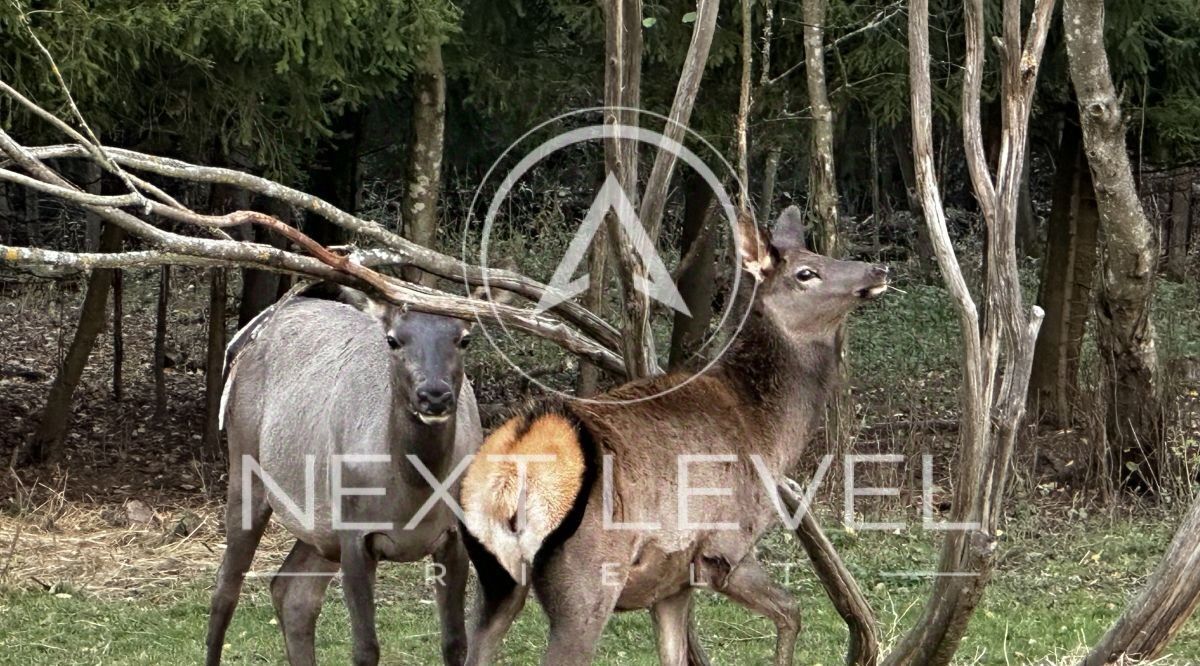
[262, 288]
[334, 176]
[822, 186]
[770, 175]
[1027, 233]
[696, 279]
[1129, 254]
[215, 364]
[1181, 215]
[160, 343]
[1066, 287]
[902, 146]
[55, 418]
[118, 334]
[425, 156]
[1170, 597]
[92, 176]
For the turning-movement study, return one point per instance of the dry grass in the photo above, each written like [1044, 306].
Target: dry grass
[113, 551]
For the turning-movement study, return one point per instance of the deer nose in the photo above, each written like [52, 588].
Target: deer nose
[879, 271]
[435, 399]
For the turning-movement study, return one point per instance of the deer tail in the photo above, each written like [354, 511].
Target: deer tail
[522, 485]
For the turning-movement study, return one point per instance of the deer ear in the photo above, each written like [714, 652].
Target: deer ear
[752, 246]
[361, 301]
[790, 231]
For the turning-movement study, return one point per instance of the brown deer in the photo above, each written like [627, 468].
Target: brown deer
[630, 505]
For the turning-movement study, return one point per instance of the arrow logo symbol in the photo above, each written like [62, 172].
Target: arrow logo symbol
[657, 283]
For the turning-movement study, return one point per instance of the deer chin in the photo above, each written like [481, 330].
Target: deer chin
[872, 292]
[430, 419]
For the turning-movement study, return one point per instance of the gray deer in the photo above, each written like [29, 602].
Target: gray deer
[606, 521]
[318, 393]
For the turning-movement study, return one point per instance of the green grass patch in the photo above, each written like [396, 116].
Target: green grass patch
[1057, 588]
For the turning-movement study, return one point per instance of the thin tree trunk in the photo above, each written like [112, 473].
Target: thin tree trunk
[160, 343]
[902, 147]
[876, 199]
[770, 175]
[1163, 607]
[593, 299]
[334, 176]
[1181, 214]
[822, 186]
[425, 156]
[118, 334]
[696, 280]
[1066, 287]
[261, 288]
[92, 176]
[1129, 256]
[55, 418]
[1027, 244]
[214, 365]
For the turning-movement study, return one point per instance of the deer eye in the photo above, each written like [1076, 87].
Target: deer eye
[806, 274]
[393, 342]
[464, 342]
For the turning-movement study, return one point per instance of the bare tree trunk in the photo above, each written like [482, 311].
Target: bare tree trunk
[696, 280]
[1162, 609]
[822, 186]
[1027, 243]
[997, 357]
[160, 343]
[92, 176]
[1129, 256]
[215, 363]
[55, 418]
[1181, 215]
[118, 334]
[425, 156]
[902, 146]
[1066, 287]
[770, 176]
[261, 288]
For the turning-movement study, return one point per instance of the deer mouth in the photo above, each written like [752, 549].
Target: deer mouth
[432, 419]
[875, 291]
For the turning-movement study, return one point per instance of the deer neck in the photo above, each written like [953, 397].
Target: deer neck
[784, 383]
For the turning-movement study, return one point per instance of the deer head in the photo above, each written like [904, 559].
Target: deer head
[803, 293]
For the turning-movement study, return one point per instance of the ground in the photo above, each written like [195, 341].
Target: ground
[109, 558]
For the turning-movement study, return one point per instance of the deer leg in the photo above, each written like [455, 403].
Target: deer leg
[497, 604]
[241, 542]
[451, 590]
[750, 586]
[578, 607]
[670, 617]
[358, 586]
[297, 592]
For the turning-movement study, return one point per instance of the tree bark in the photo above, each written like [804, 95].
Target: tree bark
[160, 343]
[1170, 597]
[1181, 215]
[770, 176]
[55, 418]
[261, 288]
[822, 185]
[902, 147]
[1128, 259]
[423, 184]
[118, 333]
[215, 363]
[1066, 286]
[696, 280]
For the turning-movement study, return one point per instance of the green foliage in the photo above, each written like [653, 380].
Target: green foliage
[258, 79]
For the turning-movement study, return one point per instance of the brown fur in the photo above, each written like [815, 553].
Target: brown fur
[492, 488]
[754, 410]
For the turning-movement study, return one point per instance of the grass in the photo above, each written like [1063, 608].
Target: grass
[1059, 585]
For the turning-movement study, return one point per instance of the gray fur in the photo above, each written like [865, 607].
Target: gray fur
[320, 380]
